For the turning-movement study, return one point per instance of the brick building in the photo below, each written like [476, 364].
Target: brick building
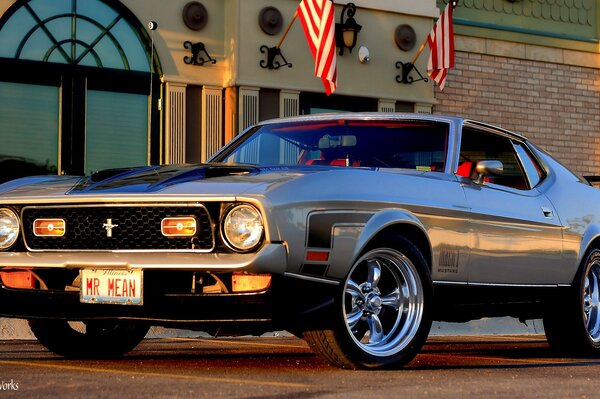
[532, 66]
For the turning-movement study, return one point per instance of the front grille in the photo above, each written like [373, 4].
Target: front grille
[136, 228]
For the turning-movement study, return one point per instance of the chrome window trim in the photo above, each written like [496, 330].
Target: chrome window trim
[118, 204]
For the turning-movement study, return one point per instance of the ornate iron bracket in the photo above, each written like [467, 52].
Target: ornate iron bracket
[407, 68]
[272, 53]
[198, 53]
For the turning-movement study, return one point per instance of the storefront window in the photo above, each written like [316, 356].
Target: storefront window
[75, 84]
[116, 118]
[29, 124]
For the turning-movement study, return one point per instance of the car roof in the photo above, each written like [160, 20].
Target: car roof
[392, 116]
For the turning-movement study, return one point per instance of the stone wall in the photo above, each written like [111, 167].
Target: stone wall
[555, 104]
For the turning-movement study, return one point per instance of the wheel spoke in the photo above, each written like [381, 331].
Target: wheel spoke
[375, 329]
[593, 320]
[392, 299]
[353, 289]
[374, 272]
[353, 318]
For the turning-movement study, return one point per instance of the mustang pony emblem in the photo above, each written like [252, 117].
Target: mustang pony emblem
[109, 226]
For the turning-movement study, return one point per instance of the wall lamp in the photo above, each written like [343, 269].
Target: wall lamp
[346, 32]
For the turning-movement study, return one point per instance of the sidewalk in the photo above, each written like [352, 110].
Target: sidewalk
[18, 329]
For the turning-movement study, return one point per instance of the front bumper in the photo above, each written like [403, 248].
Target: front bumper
[272, 259]
[167, 299]
[158, 308]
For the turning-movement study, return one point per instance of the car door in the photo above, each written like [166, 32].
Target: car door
[516, 234]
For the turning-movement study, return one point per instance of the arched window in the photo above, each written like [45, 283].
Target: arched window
[76, 78]
[77, 32]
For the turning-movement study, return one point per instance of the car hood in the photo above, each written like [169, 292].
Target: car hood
[208, 180]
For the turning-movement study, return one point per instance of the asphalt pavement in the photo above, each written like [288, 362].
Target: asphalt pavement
[284, 367]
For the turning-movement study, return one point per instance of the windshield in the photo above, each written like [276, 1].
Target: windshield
[419, 145]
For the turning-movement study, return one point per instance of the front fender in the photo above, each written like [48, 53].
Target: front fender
[348, 246]
[380, 222]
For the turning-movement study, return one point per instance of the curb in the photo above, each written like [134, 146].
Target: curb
[13, 329]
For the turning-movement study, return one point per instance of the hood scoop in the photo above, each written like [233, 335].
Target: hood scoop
[155, 178]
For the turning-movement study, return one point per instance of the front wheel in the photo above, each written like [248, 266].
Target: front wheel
[93, 339]
[572, 324]
[383, 318]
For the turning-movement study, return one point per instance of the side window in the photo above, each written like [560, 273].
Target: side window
[479, 146]
[534, 171]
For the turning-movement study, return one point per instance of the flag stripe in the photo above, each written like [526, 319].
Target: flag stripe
[317, 19]
[441, 44]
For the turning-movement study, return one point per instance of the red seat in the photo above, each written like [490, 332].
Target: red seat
[464, 169]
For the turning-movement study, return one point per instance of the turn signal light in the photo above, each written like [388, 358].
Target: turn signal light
[317, 256]
[245, 282]
[178, 227]
[18, 279]
[49, 227]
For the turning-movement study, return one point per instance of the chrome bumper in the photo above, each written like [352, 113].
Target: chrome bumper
[272, 258]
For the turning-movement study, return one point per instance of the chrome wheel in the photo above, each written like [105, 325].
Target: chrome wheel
[383, 302]
[591, 301]
[572, 320]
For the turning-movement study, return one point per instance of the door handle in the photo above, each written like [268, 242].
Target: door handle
[548, 214]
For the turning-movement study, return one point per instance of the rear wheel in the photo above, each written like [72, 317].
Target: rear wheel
[572, 325]
[383, 313]
[93, 339]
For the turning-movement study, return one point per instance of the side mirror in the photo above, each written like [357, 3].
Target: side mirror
[488, 169]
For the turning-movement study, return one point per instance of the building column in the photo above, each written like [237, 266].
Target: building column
[289, 103]
[174, 151]
[212, 114]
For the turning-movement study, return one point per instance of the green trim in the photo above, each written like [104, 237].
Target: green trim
[516, 29]
[517, 37]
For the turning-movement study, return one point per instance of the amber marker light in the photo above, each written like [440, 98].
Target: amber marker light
[49, 227]
[246, 282]
[178, 226]
[18, 279]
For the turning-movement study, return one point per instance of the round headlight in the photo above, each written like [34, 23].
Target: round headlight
[243, 227]
[9, 228]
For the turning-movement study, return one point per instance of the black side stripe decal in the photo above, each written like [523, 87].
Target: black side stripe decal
[320, 226]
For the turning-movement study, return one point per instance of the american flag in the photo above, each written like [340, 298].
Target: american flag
[317, 18]
[441, 43]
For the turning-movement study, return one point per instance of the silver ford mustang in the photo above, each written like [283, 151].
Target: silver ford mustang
[353, 231]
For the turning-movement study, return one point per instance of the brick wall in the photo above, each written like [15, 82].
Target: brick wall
[557, 106]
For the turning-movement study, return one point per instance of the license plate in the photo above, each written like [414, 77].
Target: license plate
[121, 287]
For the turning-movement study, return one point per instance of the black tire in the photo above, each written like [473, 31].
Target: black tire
[94, 340]
[382, 311]
[572, 323]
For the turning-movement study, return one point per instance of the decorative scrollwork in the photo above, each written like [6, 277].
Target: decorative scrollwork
[198, 53]
[406, 68]
[271, 62]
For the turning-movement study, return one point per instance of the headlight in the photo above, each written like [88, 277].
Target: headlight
[9, 228]
[243, 228]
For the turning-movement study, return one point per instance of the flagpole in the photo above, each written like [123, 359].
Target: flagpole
[420, 50]
[287, 29]
[454, 3]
